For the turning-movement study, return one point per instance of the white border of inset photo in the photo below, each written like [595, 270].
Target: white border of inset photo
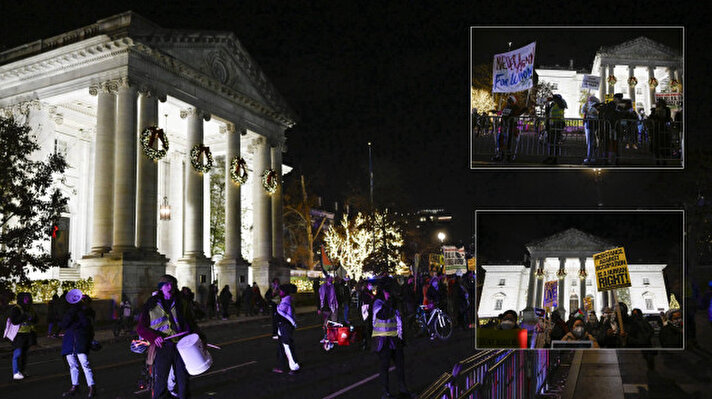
[540, 165]
[593, 212]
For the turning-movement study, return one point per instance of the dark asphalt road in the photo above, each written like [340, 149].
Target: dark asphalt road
[242, 368]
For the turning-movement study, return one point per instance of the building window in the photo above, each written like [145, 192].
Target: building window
[501, 281]
[648, 304]
[554, 86]
[498, 304]
[638, 91]
[588, 282]
[574, 282]
[646, 281]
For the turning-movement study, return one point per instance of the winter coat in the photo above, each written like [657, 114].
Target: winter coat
[19, 315]
[286, 322]
[385, 312]
[184, 319]
[77, 324]
[671, 336]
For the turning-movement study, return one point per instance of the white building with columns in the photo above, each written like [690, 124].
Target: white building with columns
[518, 286]
[91, 92]
[654, 66]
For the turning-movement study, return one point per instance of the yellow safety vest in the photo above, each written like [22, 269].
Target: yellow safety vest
[27, 327]
[160, 321]
[556, 112]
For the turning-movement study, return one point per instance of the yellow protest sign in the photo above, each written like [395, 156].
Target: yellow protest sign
[611, 269]
[436, 259]
[472, 264]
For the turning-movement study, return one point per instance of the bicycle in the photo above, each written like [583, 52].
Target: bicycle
[436, 324]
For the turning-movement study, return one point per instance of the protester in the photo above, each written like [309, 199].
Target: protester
[125, 310]
[53, 316]
[23, 314]
[225, 298]
[671, 333]
[578, 333]
[366, 307]
[508, 321]
[212, 300]
[589, 110]
[163, 315]
[247, 302]
[343, 296]
[286, 323]
[328, 304]
[558, 327]
[77, 324]
[388, 338]
[273, 298]
[507, 137]
[555, 127]
[258, 302]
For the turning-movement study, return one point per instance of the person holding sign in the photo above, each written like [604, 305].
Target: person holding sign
[508, 131]
[589, 110]
[555, 127]
[578, 333]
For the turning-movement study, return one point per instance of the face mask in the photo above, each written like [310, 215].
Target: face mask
[507, 325]
[578, 332]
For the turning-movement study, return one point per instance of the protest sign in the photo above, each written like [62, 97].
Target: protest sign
[472, 264]
[454, 260]
[587, 304]
[590, 82]
[551, 294]
[611, 269]
[514, 70]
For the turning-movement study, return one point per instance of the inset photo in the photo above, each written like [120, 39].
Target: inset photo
[604, 97]
[580, 279]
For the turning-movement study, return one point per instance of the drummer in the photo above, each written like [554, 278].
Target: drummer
[163, 315]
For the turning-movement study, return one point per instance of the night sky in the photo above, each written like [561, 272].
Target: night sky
[580, 44]
[398, 75]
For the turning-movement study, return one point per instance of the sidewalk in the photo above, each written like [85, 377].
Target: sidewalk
[594, 374]
[106, 335]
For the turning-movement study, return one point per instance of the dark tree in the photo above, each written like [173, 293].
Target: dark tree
[30, 204]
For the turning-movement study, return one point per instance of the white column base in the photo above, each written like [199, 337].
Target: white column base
[189, 270]
[228, 271]
[133, 274]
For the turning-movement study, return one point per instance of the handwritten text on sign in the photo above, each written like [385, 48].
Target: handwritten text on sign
[514, 70]
[611, 269]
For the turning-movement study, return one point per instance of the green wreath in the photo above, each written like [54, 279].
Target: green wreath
[195, 158]
[238, 170]
[269, 181]
[148, 138]
[632, 81]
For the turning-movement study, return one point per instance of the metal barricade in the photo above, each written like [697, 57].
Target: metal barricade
[496, 374]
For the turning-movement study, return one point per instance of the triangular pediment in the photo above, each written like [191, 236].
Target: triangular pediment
[220, 57]
[571, 240]
[640, 48]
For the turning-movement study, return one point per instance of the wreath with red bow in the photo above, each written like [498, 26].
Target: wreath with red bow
[269, 181]
[148, 139]
[195, 158]
[238, 170]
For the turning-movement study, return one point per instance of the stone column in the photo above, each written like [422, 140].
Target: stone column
[193, 268]
[651, 90]
[539, 285]
[146, 226]
[562, 263]
[103, 222]
[611, 88]
[602, 85]
[631, 89]
[232, 266]
[262, 214]
[277, 222]
[125, 169]
[582, 262]
[532, 282]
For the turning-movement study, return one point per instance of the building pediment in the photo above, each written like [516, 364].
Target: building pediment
[640, 48]
[569, 241]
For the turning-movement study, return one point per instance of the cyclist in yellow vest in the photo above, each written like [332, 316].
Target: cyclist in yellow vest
[163, 315]
[24, 315]
[388, 338]
[555, 119]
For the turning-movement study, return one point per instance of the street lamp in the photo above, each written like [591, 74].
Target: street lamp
[441, 237]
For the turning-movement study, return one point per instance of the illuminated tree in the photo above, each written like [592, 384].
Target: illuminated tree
[364, 241]
[481, 100]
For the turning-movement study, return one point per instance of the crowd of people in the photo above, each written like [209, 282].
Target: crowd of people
[605, 331]
[608, 127]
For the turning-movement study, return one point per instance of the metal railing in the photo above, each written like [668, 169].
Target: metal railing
[529, 139]
[495, 374]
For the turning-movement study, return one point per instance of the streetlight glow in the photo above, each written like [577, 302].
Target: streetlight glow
[441, 237]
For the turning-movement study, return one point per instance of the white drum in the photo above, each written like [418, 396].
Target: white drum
[197, 359]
